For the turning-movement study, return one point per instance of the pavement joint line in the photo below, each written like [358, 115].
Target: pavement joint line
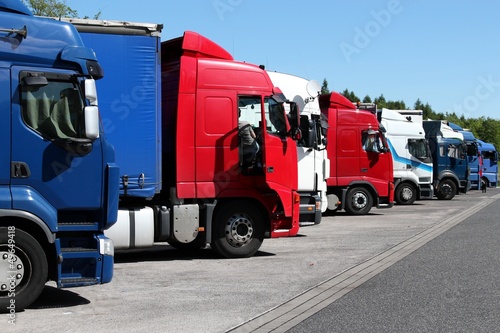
[290, 313]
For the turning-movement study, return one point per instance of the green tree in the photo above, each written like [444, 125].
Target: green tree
[380, 102]
[54, 8]
[324, 87]
[350, 95]
[51, 8]
[396, 105]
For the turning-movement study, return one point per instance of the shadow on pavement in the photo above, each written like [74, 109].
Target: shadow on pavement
[52, 297]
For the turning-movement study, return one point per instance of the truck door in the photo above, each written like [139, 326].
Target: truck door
[52, 163]
[5, 103]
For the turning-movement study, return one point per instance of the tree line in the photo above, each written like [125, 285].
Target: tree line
[483, 128]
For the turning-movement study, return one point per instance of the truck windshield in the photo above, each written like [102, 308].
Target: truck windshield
[54, 110]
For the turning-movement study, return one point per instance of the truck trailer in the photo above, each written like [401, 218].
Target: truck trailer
[361, 166]
[58, 179]
[173, 110]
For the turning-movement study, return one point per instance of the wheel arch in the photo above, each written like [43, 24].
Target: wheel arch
[222, 202]
[447, 174]
[369, 186]
[35, 227]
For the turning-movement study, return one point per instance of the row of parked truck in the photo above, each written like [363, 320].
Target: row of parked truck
[115, 140]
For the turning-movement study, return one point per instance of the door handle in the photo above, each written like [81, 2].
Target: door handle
[19, 170]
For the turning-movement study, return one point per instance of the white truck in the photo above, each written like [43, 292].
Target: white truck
[413, 169]
[314, 166]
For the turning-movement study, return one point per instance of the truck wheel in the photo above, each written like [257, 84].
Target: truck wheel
[238, 230]
[23, 269]
[358, 201]
[446, 190]
[405, 194]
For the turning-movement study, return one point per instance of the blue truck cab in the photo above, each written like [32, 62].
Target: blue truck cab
[449, 156]
[58, 180]
[489, 155]
[475, 163]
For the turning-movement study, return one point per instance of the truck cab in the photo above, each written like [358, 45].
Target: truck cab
[449, 155]
[314, 165]
[489, 155]
[361, 166]
[215, 93]
[58, 179]
[411, 154]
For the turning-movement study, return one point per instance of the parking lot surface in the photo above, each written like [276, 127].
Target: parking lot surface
[164, 290]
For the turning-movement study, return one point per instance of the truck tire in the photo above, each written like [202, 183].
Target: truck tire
[238, 230]
[446, 190]
[23, 257]
[358, 201]
[405, 194]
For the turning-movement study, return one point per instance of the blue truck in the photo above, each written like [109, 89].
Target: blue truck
[484, 169]
[475, 163]
[449, 158]
[489, 155]
[58, 178]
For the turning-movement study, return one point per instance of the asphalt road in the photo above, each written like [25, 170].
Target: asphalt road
[449, 285]
[429, 267]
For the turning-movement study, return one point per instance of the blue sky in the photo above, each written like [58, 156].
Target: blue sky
[447, 53]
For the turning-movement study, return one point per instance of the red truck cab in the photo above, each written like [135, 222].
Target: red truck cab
[205, 93]
[361, 170]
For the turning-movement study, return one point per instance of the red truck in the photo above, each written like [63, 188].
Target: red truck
[173, 109]
[361, 170]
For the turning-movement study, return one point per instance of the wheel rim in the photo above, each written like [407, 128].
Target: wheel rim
[11, 271]
[445, 189]
[239, 230]
[359, 200]
[406, 194]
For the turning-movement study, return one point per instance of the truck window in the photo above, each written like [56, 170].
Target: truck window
[55, 110]
[418, 148]
[372, 141]
[249, 131]
[456, 151]
[489, 155]
[472, 149]
[275, 117]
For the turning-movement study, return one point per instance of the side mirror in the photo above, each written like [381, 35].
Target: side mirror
[296, 134]
[91, 114]
[294, 120]
[91, 91]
